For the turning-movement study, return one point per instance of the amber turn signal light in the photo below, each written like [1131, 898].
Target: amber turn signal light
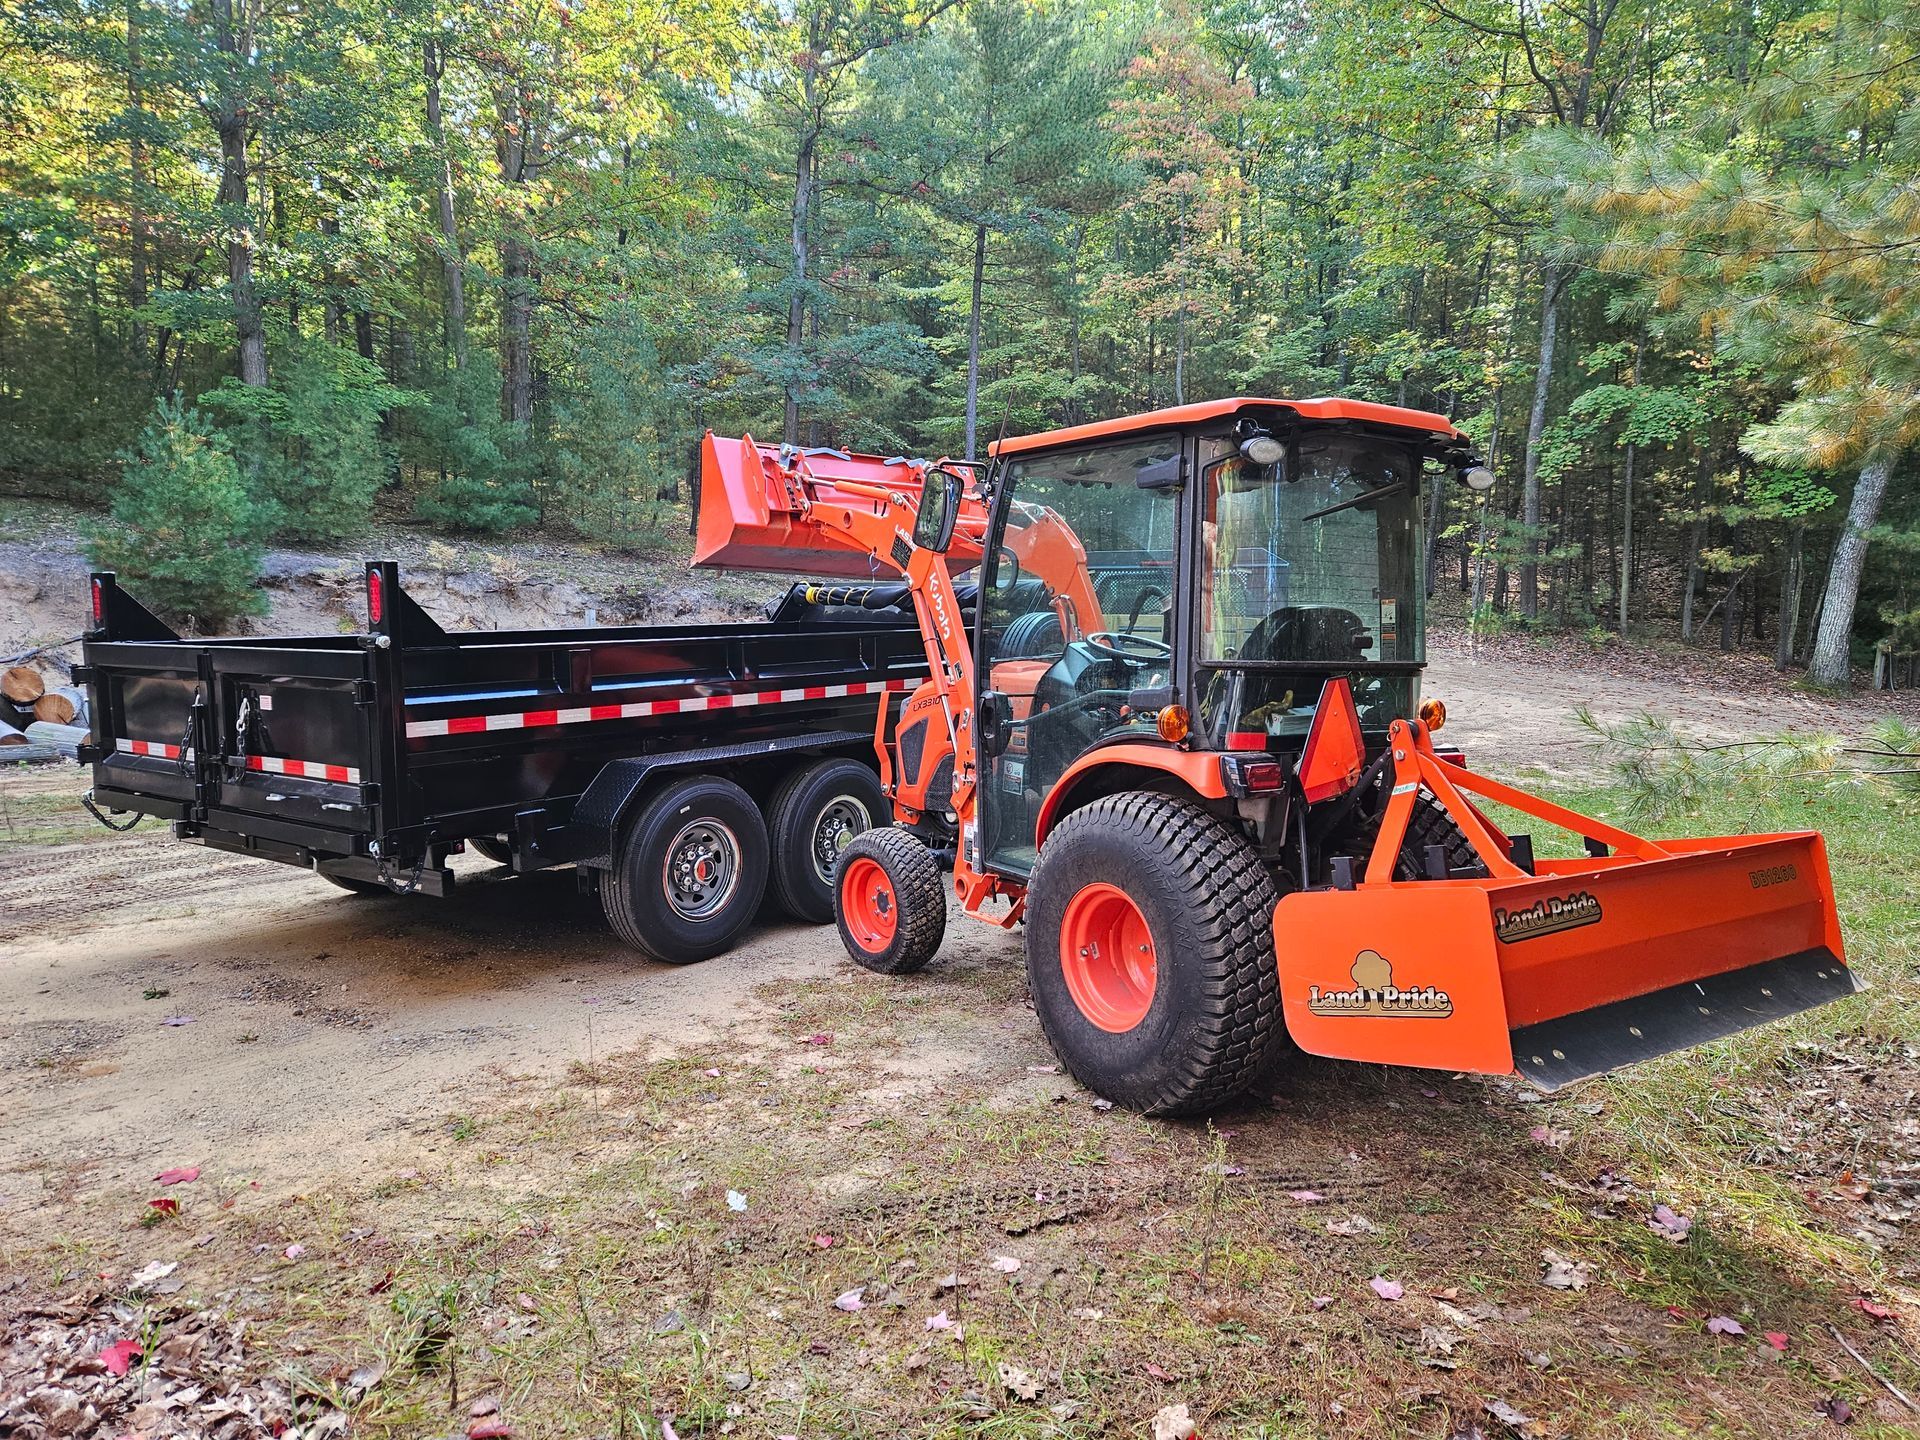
[1173, 723]
[1433, 713]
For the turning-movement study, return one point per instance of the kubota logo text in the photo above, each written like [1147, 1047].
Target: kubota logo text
[1374, 993]
[1546, 917]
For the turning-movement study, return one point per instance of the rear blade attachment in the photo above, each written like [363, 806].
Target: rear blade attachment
[1561, 968]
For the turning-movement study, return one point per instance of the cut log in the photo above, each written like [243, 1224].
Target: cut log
[10, 736]
[67, 739]
[65, 706]
[22, 683]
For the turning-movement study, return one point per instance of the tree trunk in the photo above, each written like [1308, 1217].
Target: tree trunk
[518, 151]
[973, 337]
[452, 262]
[1792, 577]
[136, 181]
[231, 120]
[1550, 290]
[1830, 662]
[1626, 541]
[797, 277]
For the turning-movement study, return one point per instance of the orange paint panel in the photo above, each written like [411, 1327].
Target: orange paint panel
[1199, 771]
[1398, 975]
[1363, 410]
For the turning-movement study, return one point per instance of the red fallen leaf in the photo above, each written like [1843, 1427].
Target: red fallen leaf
[1775, 1338]
[1678, 1313]
[1836, 1410]
[1874, 1309]
[180, 1175]
[826, 1242]
[382, 1285]
[166, 1205]
[1157, 1372]
[489, 1430]
[821, 1039]
[119, 1356]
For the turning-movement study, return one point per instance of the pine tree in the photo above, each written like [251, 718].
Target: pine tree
[182, 528]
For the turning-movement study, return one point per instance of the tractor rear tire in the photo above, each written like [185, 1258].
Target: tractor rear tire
[688, 871]
[813, 816]
[890, 901]
[1180, 1010]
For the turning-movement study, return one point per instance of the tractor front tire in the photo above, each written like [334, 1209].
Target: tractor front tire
[890, 901]
[1150, 954]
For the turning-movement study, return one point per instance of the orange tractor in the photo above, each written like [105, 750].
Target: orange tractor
[1173, 724]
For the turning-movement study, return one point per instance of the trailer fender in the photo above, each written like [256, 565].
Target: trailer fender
[588, 837]
[1129, 766]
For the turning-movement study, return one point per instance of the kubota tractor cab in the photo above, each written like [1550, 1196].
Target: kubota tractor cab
[1173, 725]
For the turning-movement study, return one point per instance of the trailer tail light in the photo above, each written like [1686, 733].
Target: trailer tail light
[376, 600]
[99, 603]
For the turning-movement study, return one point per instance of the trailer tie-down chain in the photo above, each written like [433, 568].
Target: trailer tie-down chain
[92, 809]
[413, 881]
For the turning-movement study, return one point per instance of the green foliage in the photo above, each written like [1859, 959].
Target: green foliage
[182, 528]
[310, 442]
[482, 487]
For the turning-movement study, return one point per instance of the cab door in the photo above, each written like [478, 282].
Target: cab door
[1078, 624]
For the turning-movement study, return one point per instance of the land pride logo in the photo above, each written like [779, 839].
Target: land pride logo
[1546, 917]
[1374, 993]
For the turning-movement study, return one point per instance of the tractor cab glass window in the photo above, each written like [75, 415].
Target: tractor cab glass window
[1079, 619]
[1312, 561]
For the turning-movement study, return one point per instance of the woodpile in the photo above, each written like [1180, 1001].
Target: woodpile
[39, 721]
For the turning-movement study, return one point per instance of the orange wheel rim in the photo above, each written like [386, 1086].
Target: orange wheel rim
[1107, 957]
[868, 905]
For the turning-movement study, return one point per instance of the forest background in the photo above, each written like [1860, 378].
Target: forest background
[270, 269]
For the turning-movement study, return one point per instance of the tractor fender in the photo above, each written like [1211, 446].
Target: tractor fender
[1094, 774]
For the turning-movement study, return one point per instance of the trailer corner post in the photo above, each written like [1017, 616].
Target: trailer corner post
[384, 645]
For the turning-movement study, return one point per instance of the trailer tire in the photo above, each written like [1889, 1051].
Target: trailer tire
[493, 847]
[890, 901]
[1182, 1011]
[813, 816]
[688, 872]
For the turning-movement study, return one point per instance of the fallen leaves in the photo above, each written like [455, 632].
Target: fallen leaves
[1018, 1382]
[151, 1274]
[119, 1356]
[1836, 1410]
[294, 1251]
[850, 1300]
[1725, 1325]
[1508, 1415]
[165, 1205]
[1005, 1264]
[940, 1320]
[1552, 1138]
[1387, 1289]
[1560, 1273]
[736, 1201]
[180, 1175]
[1872, 1309]
[1669, 1225]
[1173, 1422]
[1351, 1226]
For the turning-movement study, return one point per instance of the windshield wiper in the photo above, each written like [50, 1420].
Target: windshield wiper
[1356, 500]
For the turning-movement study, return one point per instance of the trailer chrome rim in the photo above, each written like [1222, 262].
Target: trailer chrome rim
[840, 820]
[868, 905]
[1107, 957]
[703, 869]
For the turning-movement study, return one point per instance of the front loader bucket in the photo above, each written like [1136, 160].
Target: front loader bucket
[1565, 968]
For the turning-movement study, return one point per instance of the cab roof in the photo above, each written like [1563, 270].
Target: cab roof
[1364, 411]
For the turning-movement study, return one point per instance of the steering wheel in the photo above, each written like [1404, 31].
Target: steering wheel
[1140, 604]
[1113, 645]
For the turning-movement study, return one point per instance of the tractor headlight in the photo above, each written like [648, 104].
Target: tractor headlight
[1263, 449]
[1478, 477]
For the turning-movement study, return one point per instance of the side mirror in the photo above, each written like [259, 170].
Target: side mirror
[939, 511]
[1167, 474]
[996, 722]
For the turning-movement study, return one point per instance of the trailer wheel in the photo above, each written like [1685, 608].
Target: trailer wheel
[493, 847]
[813, 816]
[890, 901]
[688, 872]
[1150, 954]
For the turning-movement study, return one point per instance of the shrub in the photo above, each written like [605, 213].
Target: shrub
[183, 530]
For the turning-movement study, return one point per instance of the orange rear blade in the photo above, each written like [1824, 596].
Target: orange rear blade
[1588, 965]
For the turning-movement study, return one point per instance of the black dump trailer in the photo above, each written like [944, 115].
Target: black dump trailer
[687, 770]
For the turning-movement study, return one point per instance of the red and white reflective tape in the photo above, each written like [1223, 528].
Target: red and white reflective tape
[641, 709]
[149, 747]
[303, 769]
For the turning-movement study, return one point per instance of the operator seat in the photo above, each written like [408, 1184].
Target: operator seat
[1308, 632]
